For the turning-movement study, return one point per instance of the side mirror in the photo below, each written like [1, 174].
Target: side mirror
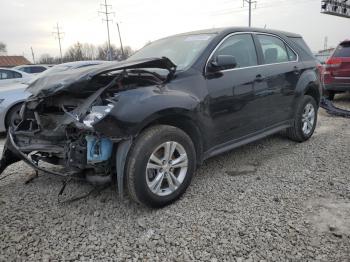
[223, 62]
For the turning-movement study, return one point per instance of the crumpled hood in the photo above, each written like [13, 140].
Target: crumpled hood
[77, 79]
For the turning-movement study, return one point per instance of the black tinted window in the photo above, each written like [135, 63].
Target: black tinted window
[274, 49]
[343, 50]
[242, 48]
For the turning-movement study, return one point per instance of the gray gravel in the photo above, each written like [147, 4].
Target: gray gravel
[273, 200]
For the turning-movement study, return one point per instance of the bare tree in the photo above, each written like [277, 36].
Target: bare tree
[3, 49]
[47, 59]
[89, 51]
[74, 53]
[116, 53]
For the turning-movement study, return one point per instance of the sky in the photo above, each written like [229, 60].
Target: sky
[30, 23]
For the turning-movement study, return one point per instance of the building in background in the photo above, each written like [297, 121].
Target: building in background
[11, 61]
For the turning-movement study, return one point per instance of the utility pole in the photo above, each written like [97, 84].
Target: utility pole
[325, 43]
[121, 43]
[31, 48]
[250, 3]
[59, 35]
[107, 20]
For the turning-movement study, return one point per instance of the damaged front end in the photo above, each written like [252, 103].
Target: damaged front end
[59, 119]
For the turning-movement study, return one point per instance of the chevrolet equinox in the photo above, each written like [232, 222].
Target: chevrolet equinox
[148, 122]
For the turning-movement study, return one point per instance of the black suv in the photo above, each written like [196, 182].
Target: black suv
[150, 121]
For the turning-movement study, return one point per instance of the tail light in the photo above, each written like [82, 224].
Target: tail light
[333, 62]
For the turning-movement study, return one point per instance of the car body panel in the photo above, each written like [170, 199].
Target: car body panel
[76, 80]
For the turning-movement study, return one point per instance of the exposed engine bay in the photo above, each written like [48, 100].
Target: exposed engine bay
[57, 126]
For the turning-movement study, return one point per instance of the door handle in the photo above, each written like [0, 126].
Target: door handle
[259, 78]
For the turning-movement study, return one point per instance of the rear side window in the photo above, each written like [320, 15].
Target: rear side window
[343, 50]
[274, 49]
[301, 43]
[242, 47]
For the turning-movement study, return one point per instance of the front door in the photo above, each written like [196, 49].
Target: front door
[232, 99]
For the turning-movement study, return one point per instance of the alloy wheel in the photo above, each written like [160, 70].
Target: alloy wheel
[166, 168]
[308, 119]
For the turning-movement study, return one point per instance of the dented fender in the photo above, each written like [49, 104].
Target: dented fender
[135, 109]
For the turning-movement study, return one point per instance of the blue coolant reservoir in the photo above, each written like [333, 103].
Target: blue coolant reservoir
[98, 149]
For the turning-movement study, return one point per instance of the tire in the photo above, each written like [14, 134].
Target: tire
[142, 172]
[12, 117]
[297, 131]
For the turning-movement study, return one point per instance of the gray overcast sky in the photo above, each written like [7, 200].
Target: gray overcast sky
[26, 23]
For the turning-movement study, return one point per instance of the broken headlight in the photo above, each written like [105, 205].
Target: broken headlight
[96, 114]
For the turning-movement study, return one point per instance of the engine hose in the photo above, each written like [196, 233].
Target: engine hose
[332, 110]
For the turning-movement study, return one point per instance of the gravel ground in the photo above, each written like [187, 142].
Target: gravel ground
[273, 200]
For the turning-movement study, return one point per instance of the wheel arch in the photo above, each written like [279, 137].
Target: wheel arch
[309, 84]
[313, 91]
[9, 109]
[186, 124]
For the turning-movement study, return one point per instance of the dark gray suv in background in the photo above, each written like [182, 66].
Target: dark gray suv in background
[151, 120]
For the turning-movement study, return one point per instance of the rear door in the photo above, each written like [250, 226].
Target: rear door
[342, 73]
[281, 72]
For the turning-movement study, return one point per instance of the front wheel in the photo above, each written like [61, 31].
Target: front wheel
[305, 120]
[160, 166]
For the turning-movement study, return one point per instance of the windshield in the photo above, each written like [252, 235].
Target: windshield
[181, 50]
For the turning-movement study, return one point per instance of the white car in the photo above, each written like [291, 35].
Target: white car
[11, 76]
[32, 69]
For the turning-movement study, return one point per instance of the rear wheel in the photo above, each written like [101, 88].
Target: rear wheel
[160, 166]
[305, 120]
[13, 117]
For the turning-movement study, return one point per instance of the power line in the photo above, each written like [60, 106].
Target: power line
[107, 20]
[59, 35]
[250, 3]
[271, 5]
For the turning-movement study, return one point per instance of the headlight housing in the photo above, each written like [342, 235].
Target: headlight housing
[96, 114]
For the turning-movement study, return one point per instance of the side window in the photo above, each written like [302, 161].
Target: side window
[16, 75]
[27, 70]
[242, 48]
[291, 54]
[8, 74]
[3, 74]
[38, 69]
[274, 49]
